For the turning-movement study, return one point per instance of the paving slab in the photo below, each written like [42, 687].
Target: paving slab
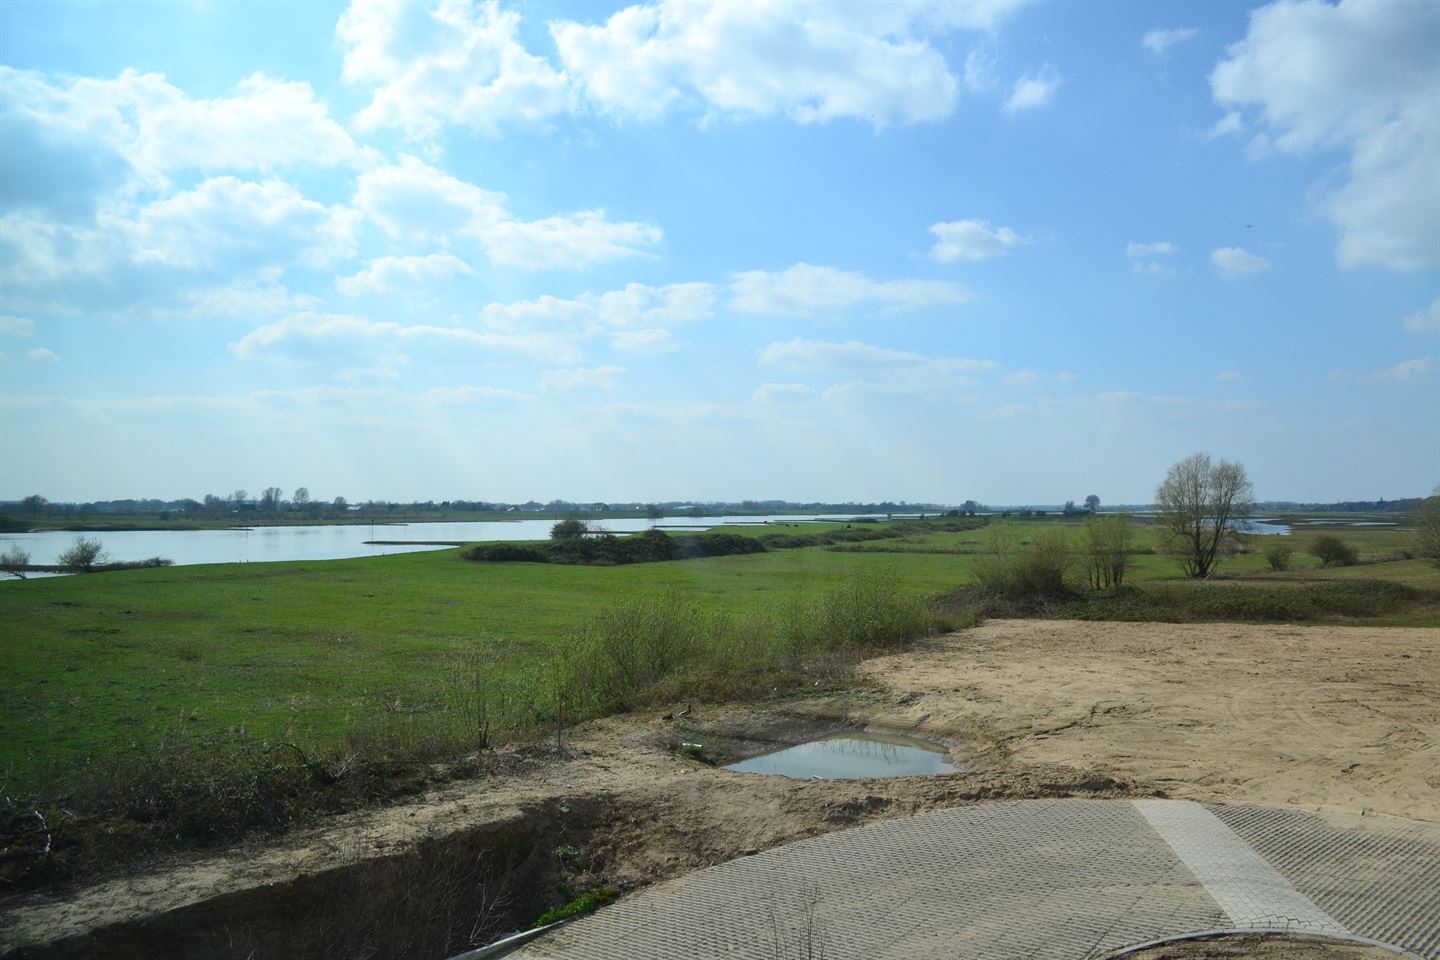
[1035, 879]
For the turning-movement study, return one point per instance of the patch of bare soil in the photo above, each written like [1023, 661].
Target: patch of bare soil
[1254, 946]
[1314, 717]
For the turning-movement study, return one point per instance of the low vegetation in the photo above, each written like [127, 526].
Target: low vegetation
[183, 706]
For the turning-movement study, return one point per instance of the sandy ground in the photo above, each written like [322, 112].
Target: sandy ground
[1330, 718]
[1334, 718]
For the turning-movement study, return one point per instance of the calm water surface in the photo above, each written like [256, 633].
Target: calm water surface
[851, 756]
[321, 542]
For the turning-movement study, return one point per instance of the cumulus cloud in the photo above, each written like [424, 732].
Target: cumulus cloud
[243, 225]
[17, 326]
[415, 201]
[804, 290]
[429, 65]
[1407, 371]
[41, 355]
[811, 62]
[381, 275]
[1424, 321]
[597, 378]
[1357, 77]
[1158, 41]
[1236, 262]
[1034, 90]
[1020, 378]
[462, 62]
[75, 139]
[972, 240]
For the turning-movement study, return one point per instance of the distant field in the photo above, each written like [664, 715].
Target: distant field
[306, 651]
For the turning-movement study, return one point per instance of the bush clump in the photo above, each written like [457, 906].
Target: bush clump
[1026, 576]
[1278, 556]
[1331, 550]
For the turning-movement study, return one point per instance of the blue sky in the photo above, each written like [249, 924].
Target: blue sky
[1015, 252]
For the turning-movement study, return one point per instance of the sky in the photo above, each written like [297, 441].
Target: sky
[1003, 251]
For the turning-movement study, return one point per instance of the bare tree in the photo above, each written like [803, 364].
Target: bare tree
[270, 499]
[301, 499]
[1198, 502]
[14, 561]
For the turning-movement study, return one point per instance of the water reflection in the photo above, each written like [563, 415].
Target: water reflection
[851, 756]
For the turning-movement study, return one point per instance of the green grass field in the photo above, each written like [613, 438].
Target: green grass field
[307, 651]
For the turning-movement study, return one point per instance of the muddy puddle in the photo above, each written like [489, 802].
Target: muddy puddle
[851, 756]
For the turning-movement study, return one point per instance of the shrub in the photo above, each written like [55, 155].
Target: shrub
[1332, 550]
[1278, 556]
[1032, 576]
[83, 555]
[570, 528]
[1107, 546]
[508, 553]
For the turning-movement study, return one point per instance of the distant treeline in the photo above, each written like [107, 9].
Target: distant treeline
[655, 546]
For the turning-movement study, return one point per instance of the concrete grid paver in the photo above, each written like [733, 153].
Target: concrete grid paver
[1034, 879]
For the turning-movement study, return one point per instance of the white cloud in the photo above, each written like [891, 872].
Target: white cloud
[1405, 372]
[462, 62]
[73, 140]
[781, 392]
[1160, 248]
[17, 326]
[241, 225]
[1227, 375]
[854, 355]
[804, 290]
[972, 240]
[41, 355]
[597, 378]
[1065, 376]
[1034, 90]
[432, 64]
[644, 341]
[309, 328]
[638, 305]
[1424, 321]
[1157, 41]
[1357, 77]
[573, 240]
[810, 61]
[1020, 378]
[382, 274]
[414, 201]
[417, 202]
[1235, 262]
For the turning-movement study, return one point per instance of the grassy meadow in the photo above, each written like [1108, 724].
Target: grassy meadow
[307, 651]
